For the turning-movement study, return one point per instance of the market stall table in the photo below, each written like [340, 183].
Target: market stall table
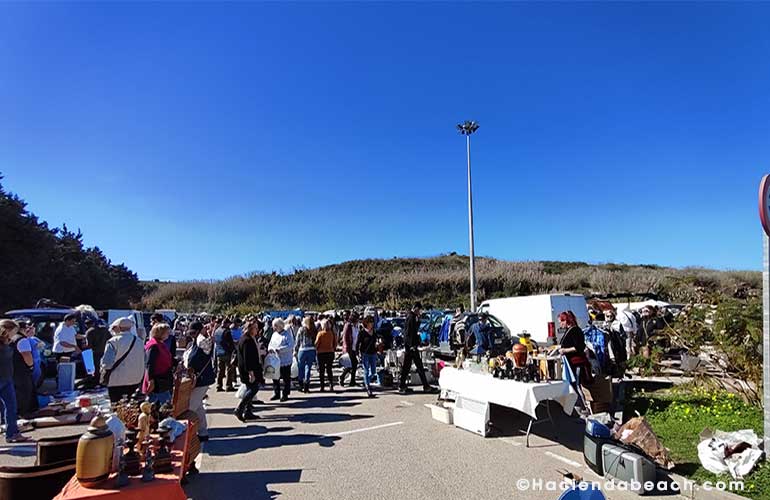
[165, 486]
[483, 389]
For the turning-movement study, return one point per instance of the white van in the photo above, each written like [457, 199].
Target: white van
[140, 331]
[537, 315]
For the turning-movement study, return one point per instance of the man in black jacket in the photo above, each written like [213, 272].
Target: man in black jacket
[411, 353]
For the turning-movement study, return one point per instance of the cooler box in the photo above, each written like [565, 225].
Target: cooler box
[596, 436]
[472, 415]
[627, 466]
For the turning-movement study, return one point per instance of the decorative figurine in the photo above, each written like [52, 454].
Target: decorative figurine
[94, 454]
[144, 423]
[147, 473]
[162, 454]
[132, 460]
[122, 475]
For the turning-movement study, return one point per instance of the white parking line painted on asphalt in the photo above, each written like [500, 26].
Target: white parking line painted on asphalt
[407, 403]
[562, 459]
[365, 429]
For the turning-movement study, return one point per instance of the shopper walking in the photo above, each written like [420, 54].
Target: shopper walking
[199, 359]
[282, 344]
[367, 347]
[8, 328]
[225, 351]
[250, 370]
[412, 353]
[304, 349]
[349, 342]
[159, 376]
[326, 344]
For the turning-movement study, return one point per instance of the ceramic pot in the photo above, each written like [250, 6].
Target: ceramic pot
[94, 455]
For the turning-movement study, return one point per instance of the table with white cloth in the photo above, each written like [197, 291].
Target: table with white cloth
[522, 396]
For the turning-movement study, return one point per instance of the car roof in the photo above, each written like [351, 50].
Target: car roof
[39, 312]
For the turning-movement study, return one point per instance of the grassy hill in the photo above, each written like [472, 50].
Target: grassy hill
[441, 281]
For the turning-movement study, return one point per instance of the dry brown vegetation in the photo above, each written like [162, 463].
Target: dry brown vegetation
[441, 281]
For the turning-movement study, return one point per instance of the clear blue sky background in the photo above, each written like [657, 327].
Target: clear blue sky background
[207, 140]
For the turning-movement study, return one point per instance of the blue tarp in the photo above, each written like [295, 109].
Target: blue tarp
[285, 314]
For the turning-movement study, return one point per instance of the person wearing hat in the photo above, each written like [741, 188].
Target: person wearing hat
[199, 359]
[411, 351]
[123, 361]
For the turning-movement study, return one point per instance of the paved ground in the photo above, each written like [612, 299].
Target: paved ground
[345, 446]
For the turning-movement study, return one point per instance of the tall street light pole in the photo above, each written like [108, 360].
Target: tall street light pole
[467, 128]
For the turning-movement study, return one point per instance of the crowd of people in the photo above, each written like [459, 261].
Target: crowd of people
[231, 353]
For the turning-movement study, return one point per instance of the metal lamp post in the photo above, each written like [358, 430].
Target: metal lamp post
[467, 128]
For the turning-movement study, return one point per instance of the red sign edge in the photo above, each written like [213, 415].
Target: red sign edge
[764, 187]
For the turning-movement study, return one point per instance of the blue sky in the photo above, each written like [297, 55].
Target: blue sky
[207, 140]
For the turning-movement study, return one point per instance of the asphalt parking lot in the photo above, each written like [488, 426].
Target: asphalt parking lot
[346, 446]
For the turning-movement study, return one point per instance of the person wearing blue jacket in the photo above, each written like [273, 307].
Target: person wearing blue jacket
[200, 360]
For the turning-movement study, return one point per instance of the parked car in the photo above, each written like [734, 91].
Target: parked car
[46, 320]
[537, 315]
[458, 334]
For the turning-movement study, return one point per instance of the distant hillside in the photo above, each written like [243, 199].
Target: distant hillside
[441, 281]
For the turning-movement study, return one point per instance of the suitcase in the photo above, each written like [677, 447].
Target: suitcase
[596, 436]
[626, 466]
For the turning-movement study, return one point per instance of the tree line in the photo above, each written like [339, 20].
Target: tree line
[37, 261]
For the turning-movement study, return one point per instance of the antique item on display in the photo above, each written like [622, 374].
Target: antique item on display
[144, 423]
[165, 411]
[122, 475]
[162, 454]
[183, 386]
[526, 340]
[128, 411]
[94, 454]
[519, 355]
[147, 473]
[132, 458]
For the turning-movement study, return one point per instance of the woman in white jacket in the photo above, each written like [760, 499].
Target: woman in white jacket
[123, 360]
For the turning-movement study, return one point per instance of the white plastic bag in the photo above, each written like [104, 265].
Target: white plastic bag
[345, 361]
[241, 392]
[295, 368]
[272, 366]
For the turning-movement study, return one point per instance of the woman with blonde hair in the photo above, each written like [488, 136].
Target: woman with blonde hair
[304, 349]
[326, 344]
[8, 328]
[159, 373]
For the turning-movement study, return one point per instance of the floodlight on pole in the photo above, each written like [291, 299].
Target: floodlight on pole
[467, 128]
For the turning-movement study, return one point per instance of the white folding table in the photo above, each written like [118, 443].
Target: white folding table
[522, 396]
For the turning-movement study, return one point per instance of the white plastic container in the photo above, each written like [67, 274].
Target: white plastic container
[442, 414]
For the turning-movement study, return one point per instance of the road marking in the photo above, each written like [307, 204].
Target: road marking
[510, 441]
[407, 403]
[565, 460]
[365, 429]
